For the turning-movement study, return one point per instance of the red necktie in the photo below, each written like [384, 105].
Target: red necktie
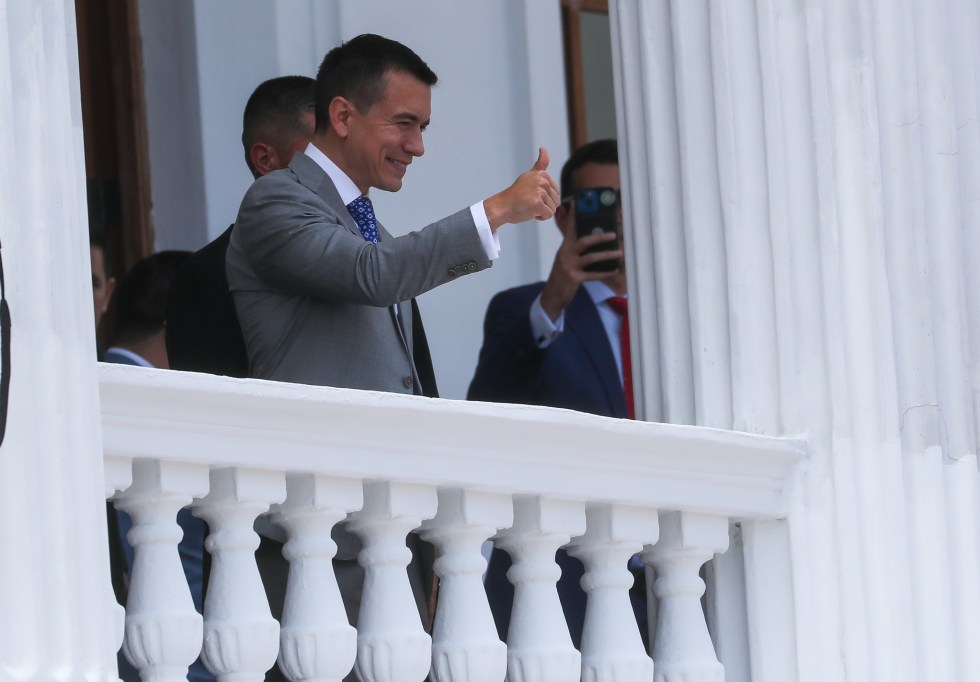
[618, 303]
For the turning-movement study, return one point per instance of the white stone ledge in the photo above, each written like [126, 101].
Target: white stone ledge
[221, 421]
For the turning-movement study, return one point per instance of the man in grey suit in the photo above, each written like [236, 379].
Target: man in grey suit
[322, 290]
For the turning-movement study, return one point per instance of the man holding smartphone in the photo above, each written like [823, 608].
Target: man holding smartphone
[559, 343]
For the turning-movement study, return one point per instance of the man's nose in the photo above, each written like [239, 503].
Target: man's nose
[414, 144]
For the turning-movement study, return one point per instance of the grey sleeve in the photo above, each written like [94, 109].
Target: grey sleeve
[296, 243]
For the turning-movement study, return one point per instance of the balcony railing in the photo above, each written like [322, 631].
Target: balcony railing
[535, 478]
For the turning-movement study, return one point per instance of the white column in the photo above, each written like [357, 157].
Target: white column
[612, 649]
[539, 648]
[163, 631]
[54, 623]
[802, 210]
[241, 638]
[317, 642]
[392, 645]
[682, 648]
[465, 646]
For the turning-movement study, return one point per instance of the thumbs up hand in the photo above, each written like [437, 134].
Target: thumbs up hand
[533, 195]
[542, 162]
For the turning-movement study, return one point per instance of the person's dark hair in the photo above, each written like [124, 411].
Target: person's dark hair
[275, 112]
[141, 298]
[598, 151]
[357, 70]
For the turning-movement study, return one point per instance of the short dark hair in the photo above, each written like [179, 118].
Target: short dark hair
[597, 151]
[141, 298]
[275, 111]
[357, 70]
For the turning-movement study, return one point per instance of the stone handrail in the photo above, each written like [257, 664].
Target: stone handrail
[534, 478]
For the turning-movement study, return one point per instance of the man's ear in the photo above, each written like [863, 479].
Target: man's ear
[340, 112]
[264, 157]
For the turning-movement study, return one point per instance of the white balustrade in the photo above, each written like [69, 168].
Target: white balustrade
[345, 453]
[612, 649]
[163, 631]
[392, 645]
[682, 648]
[317, 642]
[539, 646]
[465, 645]
[241, 638]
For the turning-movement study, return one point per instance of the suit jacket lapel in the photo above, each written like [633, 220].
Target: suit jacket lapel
[311, 176]
[582, 319]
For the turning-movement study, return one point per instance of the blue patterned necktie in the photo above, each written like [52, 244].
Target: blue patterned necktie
[363, 213]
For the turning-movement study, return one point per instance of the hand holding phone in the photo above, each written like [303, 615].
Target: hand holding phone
[597, 210]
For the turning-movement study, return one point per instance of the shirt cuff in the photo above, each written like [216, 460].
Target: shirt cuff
[544, 330]
[488, 238]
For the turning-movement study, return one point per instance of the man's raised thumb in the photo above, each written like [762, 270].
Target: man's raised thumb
[542, 162]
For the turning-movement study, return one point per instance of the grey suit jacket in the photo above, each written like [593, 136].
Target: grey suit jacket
[314, 299]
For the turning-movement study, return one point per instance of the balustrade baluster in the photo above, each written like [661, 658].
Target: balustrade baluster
[465, 646]
[682, 648]
[612, 648]
[241, 638]
[163, 631]
[539, 646]
[392, 645]
[317, 642]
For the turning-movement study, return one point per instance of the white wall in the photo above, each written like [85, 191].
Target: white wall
[490, 113]
[173, 123]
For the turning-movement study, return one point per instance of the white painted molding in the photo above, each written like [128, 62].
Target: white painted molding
[479, 446]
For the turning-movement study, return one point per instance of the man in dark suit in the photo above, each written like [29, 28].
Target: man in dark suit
[559, 343]
[203, 334]
[140, 302]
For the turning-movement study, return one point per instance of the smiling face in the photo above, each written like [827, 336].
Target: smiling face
[378, 144]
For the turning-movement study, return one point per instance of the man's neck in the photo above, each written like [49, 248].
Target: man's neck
[153, 349]
[618, 283]
[324, 154]
[333, 148]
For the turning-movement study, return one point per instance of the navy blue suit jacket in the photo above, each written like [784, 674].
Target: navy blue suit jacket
[578, 371]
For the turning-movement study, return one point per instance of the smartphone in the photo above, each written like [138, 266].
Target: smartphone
[597, 210]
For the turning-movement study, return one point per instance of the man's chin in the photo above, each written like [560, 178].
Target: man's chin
[391, 185]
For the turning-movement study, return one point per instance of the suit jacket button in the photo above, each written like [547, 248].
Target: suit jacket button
[452, 272]
[407, 382]
[471, 266]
